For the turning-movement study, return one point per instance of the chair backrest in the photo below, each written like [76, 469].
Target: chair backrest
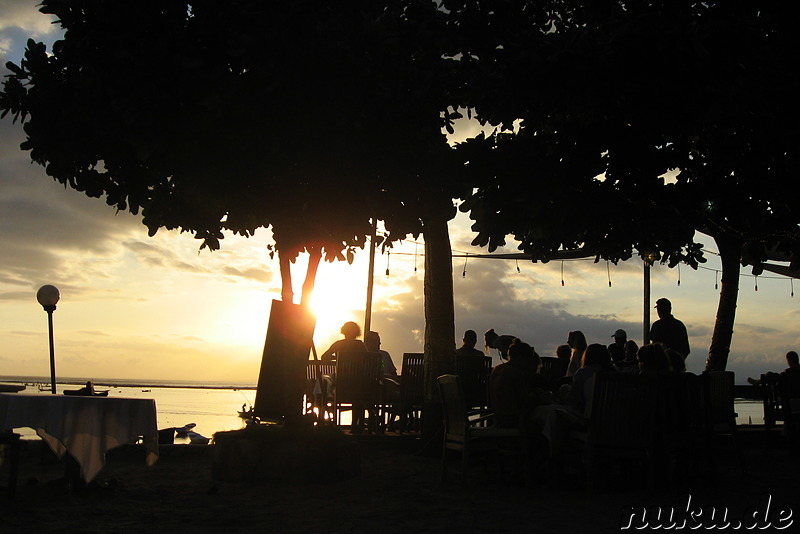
[316, 368]
[771, 394]
[474, 372]
[623, 411]
[454, 408]
[553, 369]
[681, 407]
[358, 377]
[789, 385]
[412, 378]
[718, 391]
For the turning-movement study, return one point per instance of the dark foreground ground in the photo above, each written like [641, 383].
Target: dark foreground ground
[398, 490]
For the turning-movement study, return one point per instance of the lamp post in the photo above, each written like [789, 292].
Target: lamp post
[48, 297]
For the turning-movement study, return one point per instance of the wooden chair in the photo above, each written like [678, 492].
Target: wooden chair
[681, 439]
[474, 372]
[553, 369]
[10, 456]
[463, 433]
[412, 392]
[773, 402]
[357, 385]
[622, 421]
[319, 376]
[720, 414]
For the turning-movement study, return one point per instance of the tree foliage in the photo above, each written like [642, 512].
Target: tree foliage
[306, 116]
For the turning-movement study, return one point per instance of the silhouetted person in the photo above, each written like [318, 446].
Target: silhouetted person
[617, 348]
[372, 340]
[793, 367]
[676, 361]
[499, 342]
[516, 388]
[577, 342]
[350, 331]
[630, 364]
[653, 359]
[596, 359]
[668, 330]
[468, 346]
[563, 353]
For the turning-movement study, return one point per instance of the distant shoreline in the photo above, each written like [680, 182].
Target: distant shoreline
[127, 383]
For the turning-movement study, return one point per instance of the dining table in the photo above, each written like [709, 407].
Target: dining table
[84, 427]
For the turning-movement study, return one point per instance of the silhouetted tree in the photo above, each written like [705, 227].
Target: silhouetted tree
[605, 99]
[310, 117]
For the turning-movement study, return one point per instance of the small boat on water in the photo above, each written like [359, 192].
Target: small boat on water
[183, 431]
[197, 439]
[11, 388]
[86, 391]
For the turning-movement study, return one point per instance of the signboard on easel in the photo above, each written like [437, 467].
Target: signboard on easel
[282, 378]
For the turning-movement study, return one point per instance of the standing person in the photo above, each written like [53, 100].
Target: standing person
[668, 330]
[500, 342]
[577, 341]
[617, 348]
[372, 340]
[468, 347]
[350, 331]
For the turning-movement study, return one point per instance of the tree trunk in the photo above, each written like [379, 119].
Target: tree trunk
[287, 294]
[730, 252]
[314, 257]
[439, 344]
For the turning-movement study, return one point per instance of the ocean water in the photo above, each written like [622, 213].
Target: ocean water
[214, 407]
[211, 407]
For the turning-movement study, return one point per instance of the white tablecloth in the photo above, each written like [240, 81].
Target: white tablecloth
[86, 427]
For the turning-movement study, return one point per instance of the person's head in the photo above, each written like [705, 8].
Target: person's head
[791, 359]
[631, 348]
[676, 361]
[470, 338]
[596, 354]
[578, 341]
[350, 330]
[519, 350]
[620, 336]
[663, 308]
[489, 338]
[563, 352]
[372, 340]
[653, 358]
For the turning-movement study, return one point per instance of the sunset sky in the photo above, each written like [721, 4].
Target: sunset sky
[158, 308]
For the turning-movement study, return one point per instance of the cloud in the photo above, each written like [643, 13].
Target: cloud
[20, 20]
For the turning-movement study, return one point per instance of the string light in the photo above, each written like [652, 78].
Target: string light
[791, 286]
[756, 282]
[464, 272]
[608, 272]
[562, 273]
[518, 266]
[716, 279]
[679, 275]
[388, 257]
[415, 256]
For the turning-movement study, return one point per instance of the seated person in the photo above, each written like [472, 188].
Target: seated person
[516, 388]
[791, 361]
[596, 358]
[350, 331]
[373, 343]
[468, 347]
[653, 359]
[629, 364]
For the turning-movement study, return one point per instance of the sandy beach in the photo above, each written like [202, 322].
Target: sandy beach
[398, 490]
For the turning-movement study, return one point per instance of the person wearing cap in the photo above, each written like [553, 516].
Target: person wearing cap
[617, 349]
[668, 330]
